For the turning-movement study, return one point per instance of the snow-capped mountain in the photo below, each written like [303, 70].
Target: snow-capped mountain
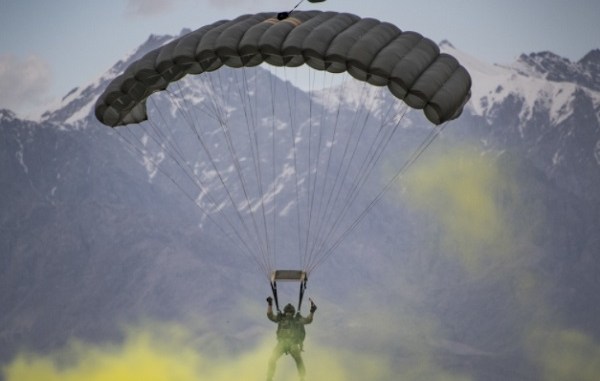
[91, 235]
[77, 105]
[545, 106]
[557, 69]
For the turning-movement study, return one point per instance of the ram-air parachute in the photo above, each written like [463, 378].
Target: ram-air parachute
[278, 170]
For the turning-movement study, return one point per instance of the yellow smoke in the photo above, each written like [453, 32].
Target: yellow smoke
[486, 224]
[565, 354]
[471, 199]
[163, 352]
[170, 353]
[152, 354]
[464, 192]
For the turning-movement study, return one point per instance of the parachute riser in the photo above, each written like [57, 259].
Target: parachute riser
[301, 294]
[274, 291]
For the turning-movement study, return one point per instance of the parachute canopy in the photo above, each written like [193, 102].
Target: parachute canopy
[283, 173]
[410, 65]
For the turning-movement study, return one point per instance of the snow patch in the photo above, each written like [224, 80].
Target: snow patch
[152, 164]
[20, 157]
[557, 159]
[492, 84]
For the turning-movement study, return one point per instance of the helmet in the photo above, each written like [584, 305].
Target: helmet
[289, 308]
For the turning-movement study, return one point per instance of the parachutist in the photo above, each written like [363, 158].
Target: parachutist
[290, 335]
[282, 15]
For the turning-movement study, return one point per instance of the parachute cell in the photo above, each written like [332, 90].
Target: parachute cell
[370, 50]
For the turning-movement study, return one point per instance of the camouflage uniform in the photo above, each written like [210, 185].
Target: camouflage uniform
[290, 337]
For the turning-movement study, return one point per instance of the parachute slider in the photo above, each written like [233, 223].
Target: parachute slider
[288, 276]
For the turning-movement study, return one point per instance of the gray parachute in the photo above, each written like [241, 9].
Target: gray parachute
[410, 65]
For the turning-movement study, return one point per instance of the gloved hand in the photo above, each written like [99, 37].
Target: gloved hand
[313, 306]
[270, 301]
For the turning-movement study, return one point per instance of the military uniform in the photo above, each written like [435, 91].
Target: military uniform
[290, 338]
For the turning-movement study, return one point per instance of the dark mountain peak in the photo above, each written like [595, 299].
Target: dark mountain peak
[593, 58]
[76, 99]
[70, 93]
[591, 65]
[7, 115]
[559, 69]
[544, 55]
[545, 62]
[156, 39]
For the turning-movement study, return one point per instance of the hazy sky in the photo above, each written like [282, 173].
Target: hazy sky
[49, 47]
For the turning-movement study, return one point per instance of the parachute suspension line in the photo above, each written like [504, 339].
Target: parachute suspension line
[303, 154]
[320, 144]
[251, 130]
[195, 179]
[171, 147]
[373, 156]
[237, 164]
[312, 162]
[275, 182]
[137, 150]
[309, 170]
[341, 175]
[194, 128]
[376, 149]
[409, 162]
[321, 198]
[261, 176]
[192, 119]
[294, 155]
[313, 191]
[224, 126]
[250, 114]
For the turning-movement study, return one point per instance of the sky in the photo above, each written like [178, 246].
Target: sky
[48, 48]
